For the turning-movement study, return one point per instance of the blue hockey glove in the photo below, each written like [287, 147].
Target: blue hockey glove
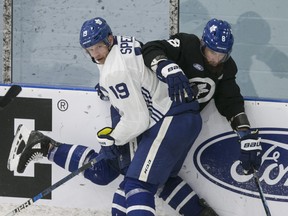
[250, 155]
[108, 147]
[178, 84]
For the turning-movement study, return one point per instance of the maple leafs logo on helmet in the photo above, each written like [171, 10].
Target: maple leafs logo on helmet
[98, 21]
[213, 28]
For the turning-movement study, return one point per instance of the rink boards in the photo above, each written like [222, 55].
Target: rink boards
[212, 166]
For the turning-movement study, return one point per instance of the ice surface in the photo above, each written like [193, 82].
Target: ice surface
[36, 210]
[45, 210]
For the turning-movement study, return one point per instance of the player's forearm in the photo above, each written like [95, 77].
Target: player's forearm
[240, 122]
[152, 51]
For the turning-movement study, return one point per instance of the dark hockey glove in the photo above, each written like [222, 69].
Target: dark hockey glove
[250, 155]
[107, 143]
[178, 84]
[100, 93]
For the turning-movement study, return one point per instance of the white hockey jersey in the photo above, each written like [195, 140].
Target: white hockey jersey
[133, 89]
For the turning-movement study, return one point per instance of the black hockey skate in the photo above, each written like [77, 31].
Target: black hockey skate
[28, 146]
[207, 211]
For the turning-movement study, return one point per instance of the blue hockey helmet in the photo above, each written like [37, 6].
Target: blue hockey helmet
[217, 36]
[94, 31]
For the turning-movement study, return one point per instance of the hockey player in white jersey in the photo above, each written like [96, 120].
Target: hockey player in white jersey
[141, 110]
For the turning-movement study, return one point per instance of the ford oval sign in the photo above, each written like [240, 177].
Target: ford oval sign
[216, 159]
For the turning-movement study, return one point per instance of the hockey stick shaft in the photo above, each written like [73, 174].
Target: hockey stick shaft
[261, 193]
[12, 92]
[56, 185]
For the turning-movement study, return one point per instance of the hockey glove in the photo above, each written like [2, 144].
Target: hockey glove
[250, 155]
[178, 84]
[108, 147]
[100, 93]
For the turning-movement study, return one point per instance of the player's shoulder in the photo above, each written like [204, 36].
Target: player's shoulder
[188, 42]
[187, 39]
[128, 45]
[231, 63]
[231, 67]
[124, 39]
[186, 36]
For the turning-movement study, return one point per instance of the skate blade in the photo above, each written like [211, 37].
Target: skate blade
[18, 145]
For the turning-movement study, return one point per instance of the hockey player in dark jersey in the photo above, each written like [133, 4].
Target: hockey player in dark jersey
[211, 71]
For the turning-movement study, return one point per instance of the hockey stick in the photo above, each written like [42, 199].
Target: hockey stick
[13, 91]
[56, 185]
[263, 199]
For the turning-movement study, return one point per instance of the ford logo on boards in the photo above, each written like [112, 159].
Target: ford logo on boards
[217, 160]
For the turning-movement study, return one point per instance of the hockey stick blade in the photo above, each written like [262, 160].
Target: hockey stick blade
[261, 193]
[13, 91]
[56, 185]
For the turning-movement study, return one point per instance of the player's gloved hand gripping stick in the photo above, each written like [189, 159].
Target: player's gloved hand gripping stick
[250, 159]
[107, 142]
[250, 155]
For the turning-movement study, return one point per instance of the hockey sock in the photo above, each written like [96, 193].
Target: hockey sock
[69, 157]
[119, 203]
[139, 198]
[181, 197]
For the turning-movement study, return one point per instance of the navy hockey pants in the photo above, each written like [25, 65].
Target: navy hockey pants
[164, 147]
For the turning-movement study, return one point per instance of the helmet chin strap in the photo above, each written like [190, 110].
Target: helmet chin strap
[107, 43]
[203, 46]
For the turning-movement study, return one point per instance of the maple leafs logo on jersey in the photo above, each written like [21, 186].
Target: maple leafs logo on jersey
[203, 88]
[206, 88]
